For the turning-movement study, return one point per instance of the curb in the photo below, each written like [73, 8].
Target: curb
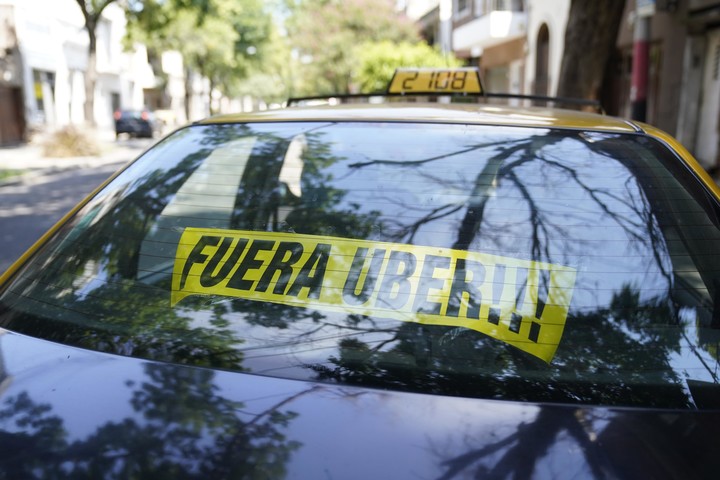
[92, 163]
[13, 181]
[21, 178]
[31, 157]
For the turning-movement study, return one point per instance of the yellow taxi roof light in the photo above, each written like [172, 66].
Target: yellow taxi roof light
[464, 80]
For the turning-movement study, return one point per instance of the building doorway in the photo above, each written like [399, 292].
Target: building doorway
[542, 62]
[12, 117]
[706, 148]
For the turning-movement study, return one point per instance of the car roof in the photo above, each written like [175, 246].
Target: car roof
[438, 113]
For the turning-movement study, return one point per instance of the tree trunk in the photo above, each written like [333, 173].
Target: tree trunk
[188, 93]
[91, 14]
[91, 76]
[210, 96]
[590, 38]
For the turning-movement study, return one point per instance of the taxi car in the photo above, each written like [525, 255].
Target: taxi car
[399, 290]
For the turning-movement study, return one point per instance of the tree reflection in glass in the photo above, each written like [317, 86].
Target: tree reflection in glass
[615, 207]
[183, 428]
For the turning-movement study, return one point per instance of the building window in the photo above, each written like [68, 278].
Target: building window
[44, 89]
[462, 8]
[507, 5]
[483, 7]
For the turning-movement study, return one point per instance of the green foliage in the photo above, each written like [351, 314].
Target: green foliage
[223, 40]
[152, 20]
[9, 174]
[377, 62]
[269, 79]
[271, 86]
[329, 36]
[327, 47]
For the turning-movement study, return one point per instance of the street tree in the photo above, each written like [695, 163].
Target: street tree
[92, 11]
[271, 81]
[220, 40]
[590, 37]
[377, 62]
[328, 36]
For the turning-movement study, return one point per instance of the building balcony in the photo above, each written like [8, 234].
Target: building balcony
[492, 29]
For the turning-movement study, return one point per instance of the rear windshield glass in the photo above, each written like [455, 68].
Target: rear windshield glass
[495, 262]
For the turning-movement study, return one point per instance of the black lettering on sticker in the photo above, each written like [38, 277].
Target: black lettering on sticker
[428, 281]
[208, 277]
[522, 279]
[521, 284]
[534, 332]
[351, 295]
[543, 292]
[400, 267]
[312, 273]
[281, 264]
[494, 316]
[539, 308]
[461, 286]
[249, 262]
[196, 256]
[515, 322]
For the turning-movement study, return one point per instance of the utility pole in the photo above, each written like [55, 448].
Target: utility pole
[445, 34]
[641, 59]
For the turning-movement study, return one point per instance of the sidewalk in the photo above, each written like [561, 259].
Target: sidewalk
[30, 159]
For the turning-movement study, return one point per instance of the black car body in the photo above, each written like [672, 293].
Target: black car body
[403, 291]
[136, 123]
[70, 413]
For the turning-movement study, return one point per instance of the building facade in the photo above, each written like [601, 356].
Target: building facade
[53, 51]
[12, 109]
[519, 45]
[492, 34]
[546, 21]
[44, 57]
[683, 91]
[698, 117]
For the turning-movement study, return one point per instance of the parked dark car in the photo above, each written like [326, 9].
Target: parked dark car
[137, 123]
[398, 291]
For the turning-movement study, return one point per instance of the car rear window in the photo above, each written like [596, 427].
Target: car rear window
[497, 262]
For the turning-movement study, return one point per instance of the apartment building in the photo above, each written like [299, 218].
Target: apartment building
[492, 35]
[519, 46]
[49, 60]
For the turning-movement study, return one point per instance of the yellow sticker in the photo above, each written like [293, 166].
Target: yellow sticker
[436, 80]
[498, 296]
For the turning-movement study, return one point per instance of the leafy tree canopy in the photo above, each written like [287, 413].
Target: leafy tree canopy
[220, 39]
[377, 62]
[270, 80]
[328, 36]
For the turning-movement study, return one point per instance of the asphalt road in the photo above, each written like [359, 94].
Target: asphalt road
[31, 207]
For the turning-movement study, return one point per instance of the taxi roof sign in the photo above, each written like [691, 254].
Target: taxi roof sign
[463, 80]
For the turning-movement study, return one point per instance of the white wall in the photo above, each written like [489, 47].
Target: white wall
[172, 65]
[554, 14]
[52, 39]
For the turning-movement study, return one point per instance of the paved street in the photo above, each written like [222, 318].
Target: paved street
[49, 188]
[30, 208]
